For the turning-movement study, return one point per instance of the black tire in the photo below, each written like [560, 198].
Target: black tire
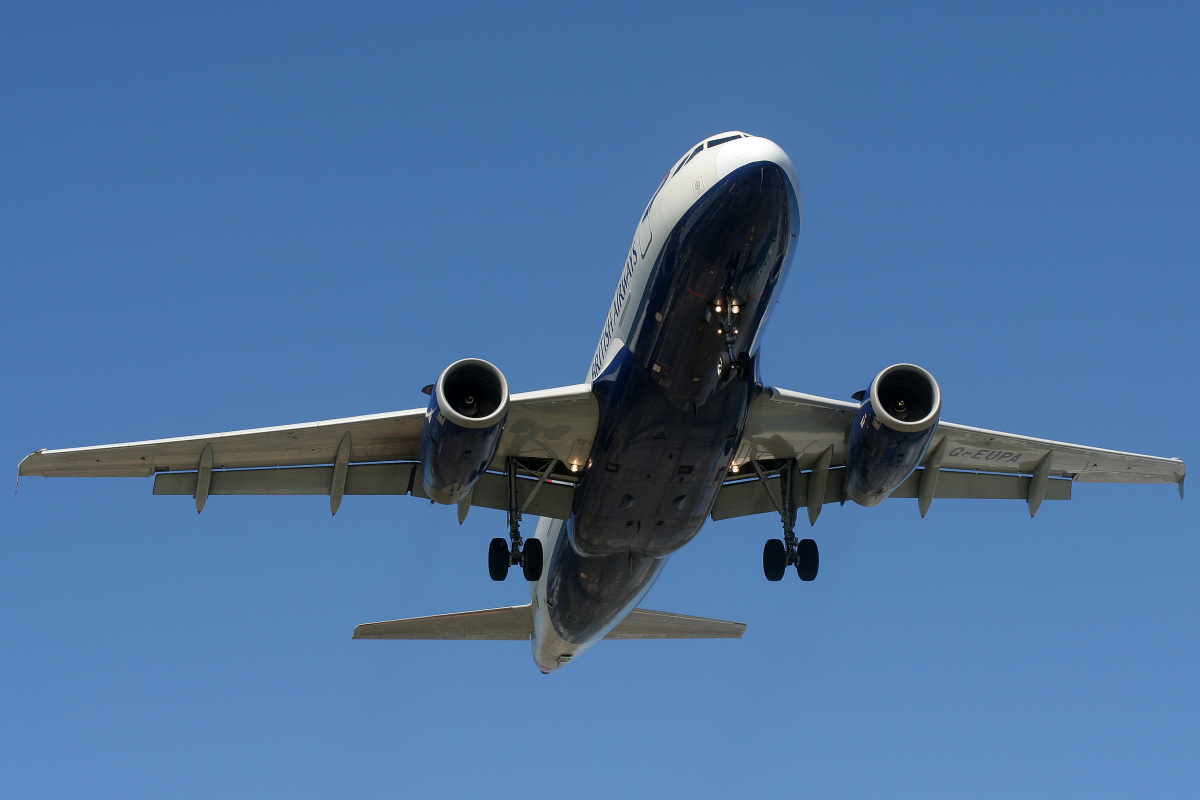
[532, 566]
[745, 367]
[498, 559]
[808, 560]
[774, 559]
[723, 368]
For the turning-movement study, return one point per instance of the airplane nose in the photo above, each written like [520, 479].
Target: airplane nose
[749, 150]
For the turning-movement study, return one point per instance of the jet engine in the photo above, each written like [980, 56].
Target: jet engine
[891, 432]
[467, 409]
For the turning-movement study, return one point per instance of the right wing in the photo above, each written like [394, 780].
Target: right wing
[972, 463]
[787, 425]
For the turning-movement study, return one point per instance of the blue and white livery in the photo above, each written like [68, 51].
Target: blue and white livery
[673, 426]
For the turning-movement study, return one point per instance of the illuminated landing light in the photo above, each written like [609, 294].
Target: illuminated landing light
[717, 308]
[574, 468]
[720, 330]
[735, 331]
[735, 469]
[736, 309]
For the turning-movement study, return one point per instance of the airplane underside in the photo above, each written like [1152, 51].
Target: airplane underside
[673, 403]
[671, 427]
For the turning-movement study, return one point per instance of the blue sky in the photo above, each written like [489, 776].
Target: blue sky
[220, 216]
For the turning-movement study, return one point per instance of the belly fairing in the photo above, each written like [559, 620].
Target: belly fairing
[655, 468]
[587, 596]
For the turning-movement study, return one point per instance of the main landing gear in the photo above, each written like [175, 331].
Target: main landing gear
[501, 557]
[778, 554]
[527, 553]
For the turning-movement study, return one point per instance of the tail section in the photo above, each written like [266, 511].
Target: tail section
[516, 623]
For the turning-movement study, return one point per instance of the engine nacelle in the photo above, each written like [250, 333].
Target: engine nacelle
[891, 432]
[463, 426]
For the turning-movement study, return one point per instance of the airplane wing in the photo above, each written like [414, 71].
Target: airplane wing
[972, 463]
[375, 454]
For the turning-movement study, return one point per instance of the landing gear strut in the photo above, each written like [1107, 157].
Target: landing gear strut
[724, 313]
[779, 555]
[527, 553]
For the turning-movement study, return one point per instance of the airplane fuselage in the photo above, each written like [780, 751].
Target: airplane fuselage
[674, 375]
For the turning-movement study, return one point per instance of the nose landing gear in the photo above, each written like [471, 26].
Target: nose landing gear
[724, 314]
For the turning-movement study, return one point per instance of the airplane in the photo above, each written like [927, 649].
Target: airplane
[671, 427]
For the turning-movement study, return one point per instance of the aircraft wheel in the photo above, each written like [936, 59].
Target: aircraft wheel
[532, 566]
[774, 559]
[723, 368]
[744, 367]
[807, 559]
[498, 559]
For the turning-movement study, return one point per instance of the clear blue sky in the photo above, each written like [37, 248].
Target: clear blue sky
[216, 217]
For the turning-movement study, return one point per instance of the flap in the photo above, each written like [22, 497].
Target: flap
[746, 497]
[553, 499]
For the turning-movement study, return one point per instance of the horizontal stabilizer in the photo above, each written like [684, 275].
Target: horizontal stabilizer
[645, 624]
[516, 623]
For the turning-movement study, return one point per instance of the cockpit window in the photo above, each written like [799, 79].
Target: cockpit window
[663, 183]
[722, 140]
[693, 154]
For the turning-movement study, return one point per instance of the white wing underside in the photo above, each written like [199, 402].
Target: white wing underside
[561, 424]
[785, 425]
[555, 423]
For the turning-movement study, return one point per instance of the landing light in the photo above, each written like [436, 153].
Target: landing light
[736, 309]
[717, 308]
[574, 468]
[734, 468]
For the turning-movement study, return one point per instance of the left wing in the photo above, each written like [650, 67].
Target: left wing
[371, 454]
[552, 423]
[974, 462]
